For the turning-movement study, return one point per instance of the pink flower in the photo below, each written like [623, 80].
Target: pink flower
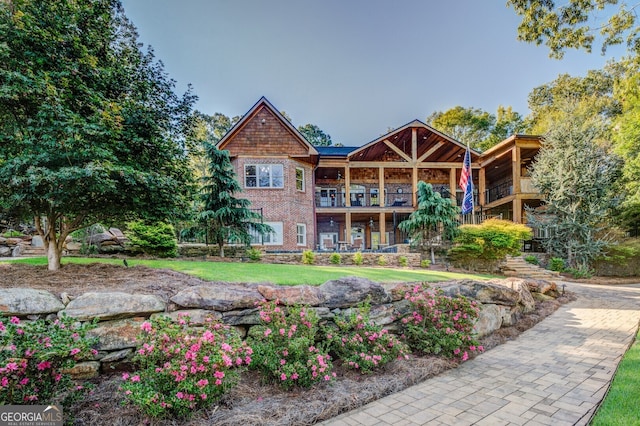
[219, 374]
[135, 378]
[125, 376]
[283, 361]
[43, 365]
[74, 351]
[24, 381]
[465, 356]
[203, 396]
[4, 382]
[267, 332]
[202, 383]
[283, 377]
[15, 320]
[180, 395]
[146, 326]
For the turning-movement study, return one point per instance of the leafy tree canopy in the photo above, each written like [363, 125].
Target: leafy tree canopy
[578, 24]
[315, 135]
[90, 127]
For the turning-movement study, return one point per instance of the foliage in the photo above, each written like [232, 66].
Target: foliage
[574, 160]
[440, 325]
[382, 260]
[403, 261]
[360, 343]
[208, 130]
[225, 217]
[308, 257]
[357, 258]
[254, 254]
[621, 253]
[571, 25]
[433, 222]
[12, 234]
[90, 127]
[315, 135]
[35, 357]
[335, 259]
[285, 348]
[556, 264]
[425, 263]
[582, 272]
[183, 366]
[489, 242]
[620, 405]
[477, 128]
[156, 239]
[532, 259]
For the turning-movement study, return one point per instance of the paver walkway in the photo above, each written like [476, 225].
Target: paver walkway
[556, 373]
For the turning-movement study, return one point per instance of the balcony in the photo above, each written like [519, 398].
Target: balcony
[499, 191]
[358, 200]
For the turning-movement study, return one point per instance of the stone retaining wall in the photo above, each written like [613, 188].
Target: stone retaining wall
[120, 315]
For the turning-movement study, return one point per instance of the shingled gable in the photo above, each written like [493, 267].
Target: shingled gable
[431, 146]
[265, 131]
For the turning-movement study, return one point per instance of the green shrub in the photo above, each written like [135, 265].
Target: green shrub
[184, 367]
[35, 357]
[440, 325]
[382, 260]
[357, 258]
[335, 259]
[532, 259]
[556, 264]
[12, 234]
[581, 272]
[285, 348]
[488, 243]
[403, 261]
[425, 263]
[254, 254]
[308, 257]
[361, 344]
[156, 239]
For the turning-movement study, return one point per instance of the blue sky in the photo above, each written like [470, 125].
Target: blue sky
[353, 67]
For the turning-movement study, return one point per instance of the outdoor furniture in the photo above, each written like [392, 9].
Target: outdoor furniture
[357, 244]
[328, 244]
[343, 245]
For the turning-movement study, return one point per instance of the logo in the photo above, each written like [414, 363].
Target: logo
[31, 415]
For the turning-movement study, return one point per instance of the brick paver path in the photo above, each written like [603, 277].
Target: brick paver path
[553, 374]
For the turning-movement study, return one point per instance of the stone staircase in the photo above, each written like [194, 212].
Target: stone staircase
[516, 266]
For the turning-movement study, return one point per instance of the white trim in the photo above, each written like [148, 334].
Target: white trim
[302, 180]
[302, 234]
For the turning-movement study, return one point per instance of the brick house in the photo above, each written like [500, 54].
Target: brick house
[333, 197]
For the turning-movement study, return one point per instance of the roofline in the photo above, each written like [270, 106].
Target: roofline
[509, 140]
[264, 101]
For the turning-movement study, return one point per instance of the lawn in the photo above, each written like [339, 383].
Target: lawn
[275, 273]
[620, 407]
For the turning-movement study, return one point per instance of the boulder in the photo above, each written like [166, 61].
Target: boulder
[196, 316]
[117, 335]
[27, 301]
[112, 305]
[291, 295]
[483, 292]
[84, 370]
[5, 251]
[221, 297]
[36, 241]
[242, 317]
[349, 291]
[522, 287]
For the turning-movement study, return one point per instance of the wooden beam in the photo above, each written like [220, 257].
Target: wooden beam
[404, 165]
[429, 152]
[414, 186]
[414, 145]
[347, 187]
[383, 230]
[397, 150]
[452, 185]
[482, 186]
[347, 224]
[382, 200]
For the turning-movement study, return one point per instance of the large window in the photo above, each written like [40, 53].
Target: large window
[263, 176]
[269, 239]
[301, 234]
[299, 179]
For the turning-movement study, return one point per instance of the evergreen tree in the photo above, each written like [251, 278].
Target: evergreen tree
[226, 218]
[434, 222]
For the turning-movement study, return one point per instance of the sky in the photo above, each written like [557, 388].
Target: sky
[354, 68]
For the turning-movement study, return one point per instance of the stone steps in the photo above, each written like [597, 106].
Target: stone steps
[518, 267]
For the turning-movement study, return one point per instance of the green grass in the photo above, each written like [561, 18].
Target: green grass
[620, 407]
[278, 274]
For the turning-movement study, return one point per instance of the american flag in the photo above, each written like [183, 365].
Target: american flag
[466, 183]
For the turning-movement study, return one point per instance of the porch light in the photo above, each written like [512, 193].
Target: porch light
[331, 221]
[371, 222]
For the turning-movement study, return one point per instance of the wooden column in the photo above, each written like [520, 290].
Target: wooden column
[482, 187]
[347, 186]
[453, 185]
[517, 209]
[382, 199]
[347, 225]
[414, 185]
[383, 230]
[517, 201]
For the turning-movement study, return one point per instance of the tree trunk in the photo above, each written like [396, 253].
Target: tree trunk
[53, 255]
[433, 256]
[221, 249]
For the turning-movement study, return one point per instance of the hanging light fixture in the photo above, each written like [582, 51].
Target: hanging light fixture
[331, 221]
[371, 222]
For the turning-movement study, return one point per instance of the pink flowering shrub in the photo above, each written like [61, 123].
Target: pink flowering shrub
[439, 324]
[285, 348]
[35, 357]
[361, 344]
[183, 367]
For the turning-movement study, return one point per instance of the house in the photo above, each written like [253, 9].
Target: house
[333, 197]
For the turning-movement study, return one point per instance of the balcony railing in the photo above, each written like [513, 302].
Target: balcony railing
[363, 200]
[499, 191]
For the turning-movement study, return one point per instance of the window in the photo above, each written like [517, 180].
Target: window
[299, 179]
[263, 176]
[301, 234]
[269, 239]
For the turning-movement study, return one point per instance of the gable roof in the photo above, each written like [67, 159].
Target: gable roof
[433, 144]
[249, 115]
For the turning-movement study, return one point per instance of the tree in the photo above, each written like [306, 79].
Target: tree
[90, 127]
[208, 129]
[574, 24]
[508, 122]
[467, 125]
[225, 217]
[576, 174]
[315, 135]
[433, 222]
